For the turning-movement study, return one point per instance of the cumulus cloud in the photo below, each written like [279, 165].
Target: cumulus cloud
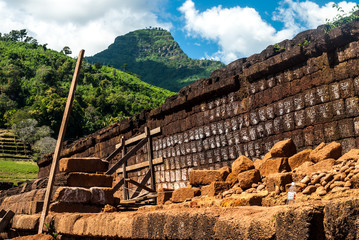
[241, 31]
[82, 24]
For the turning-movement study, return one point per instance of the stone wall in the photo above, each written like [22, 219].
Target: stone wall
[306, 90]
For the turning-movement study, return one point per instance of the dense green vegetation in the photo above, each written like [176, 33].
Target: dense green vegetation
[34, 84]
[154, 55]
[11, 171]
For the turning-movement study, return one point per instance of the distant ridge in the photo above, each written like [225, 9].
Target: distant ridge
[156, 57]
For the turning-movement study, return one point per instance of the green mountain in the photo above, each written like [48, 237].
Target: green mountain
[34, 84]
[154, 55]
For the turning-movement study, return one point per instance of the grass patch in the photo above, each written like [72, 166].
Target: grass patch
[17, 171]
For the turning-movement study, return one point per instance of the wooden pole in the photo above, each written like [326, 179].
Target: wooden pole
[149, 156]
[60, 139]
[124, 172]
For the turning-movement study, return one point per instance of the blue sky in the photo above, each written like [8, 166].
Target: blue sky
[223, 30]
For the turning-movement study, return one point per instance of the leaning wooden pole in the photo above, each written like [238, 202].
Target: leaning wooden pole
[60, 139]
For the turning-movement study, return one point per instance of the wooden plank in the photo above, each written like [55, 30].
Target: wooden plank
[125, 186]
[113, 154]
[149, 157]
[118, 185]
[60, 139]
[140, 137]
[126, 157]
[143, 182]
[4, 222]
[2, 213]
[137, 166]
[139, 185]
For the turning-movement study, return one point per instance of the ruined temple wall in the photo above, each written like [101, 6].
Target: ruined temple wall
[306, 90]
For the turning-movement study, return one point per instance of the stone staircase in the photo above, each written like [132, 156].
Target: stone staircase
[13, 149]
[80, 186]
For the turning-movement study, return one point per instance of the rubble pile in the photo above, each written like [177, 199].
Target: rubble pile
[264, 182]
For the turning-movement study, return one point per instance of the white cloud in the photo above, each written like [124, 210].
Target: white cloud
[241, 31]
[307, 14]
[82, 24]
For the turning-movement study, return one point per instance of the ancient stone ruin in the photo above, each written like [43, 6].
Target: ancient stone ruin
[230, 147]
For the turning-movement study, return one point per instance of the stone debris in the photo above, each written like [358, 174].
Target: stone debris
[316, 173]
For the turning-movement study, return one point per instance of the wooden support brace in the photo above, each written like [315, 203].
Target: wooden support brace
[126, 157]
[60, 139]
[140, 137]
[137, 166]
[118, 185]
[139, 185]
[143, 182]
[2, 213]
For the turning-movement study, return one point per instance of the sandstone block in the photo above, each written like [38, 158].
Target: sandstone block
[355, 181]
[353, 154]
[245, 179]
[89, 165]
[101, 196]
[62, 207]
[72, 195]
[242, 164]
[182, 194]
[204, 177]
[246, 199]
[285, 148]
[257, 163]
[163, 195]
[299, 158]
[309, 167]
[232, 179]
[215, 188]
[88, 180]
[326, 151]
[224, 171]
[273, 165]
[278, 180]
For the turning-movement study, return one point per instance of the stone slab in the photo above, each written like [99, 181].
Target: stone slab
[78, 164]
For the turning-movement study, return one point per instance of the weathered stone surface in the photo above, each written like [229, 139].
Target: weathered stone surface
[299, 158]
[183, 194]
[245, 199]
[101, 196]
[341, 219]
[35, 237]
[204, 177]
[326, 151]
[257, 163]
[278, 180]
[309, 167]
[215, 188]
[78, 164]
[88, 180]
[72, 195]
[245, 179]
[300, 223]
[273, 165]
[309, 190]
[232, 179]
[163, 195]
[353, 154]
[70, 207]
[242, 164]
[285, 148]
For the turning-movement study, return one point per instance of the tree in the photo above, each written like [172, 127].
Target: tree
[66, 50]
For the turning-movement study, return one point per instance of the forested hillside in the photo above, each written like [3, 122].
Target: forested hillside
[34, 83]
[156, 57]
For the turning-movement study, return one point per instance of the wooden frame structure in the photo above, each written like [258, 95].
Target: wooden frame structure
[142, 139]
[5, 218]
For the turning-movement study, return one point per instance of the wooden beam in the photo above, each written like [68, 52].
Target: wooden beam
[140, 137]
[149, 157]
[139, 185]
[143, 182]
[2, 213]
[4, 222]
[60, 139]
[137, 166]
[126, 157]
[118, 185]
[125, 186]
